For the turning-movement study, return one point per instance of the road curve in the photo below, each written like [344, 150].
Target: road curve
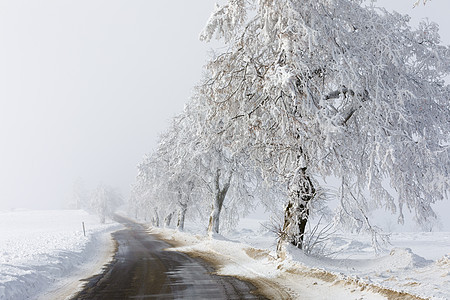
[142, 269]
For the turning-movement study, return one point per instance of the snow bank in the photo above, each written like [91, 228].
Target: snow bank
[404, 258]
[39, 249]
[417, 263]
[398, 269]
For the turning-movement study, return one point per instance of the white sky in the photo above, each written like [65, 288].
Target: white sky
[86, 86]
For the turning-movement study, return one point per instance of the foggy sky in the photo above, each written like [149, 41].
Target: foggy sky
[86, 86]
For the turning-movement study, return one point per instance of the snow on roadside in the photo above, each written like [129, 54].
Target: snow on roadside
[270, 275]
[39, 249]
[354, 272]
[417, 263]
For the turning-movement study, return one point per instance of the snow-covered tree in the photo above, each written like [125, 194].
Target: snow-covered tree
[146, 197]
[165, 183]
[331, 88]
[188, 175]
[181, 182]
[227, 178]
[105, 200]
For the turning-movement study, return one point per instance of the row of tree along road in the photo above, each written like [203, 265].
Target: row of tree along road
[103, 200]
[306, 90]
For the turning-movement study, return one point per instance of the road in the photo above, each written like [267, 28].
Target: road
[142, 269]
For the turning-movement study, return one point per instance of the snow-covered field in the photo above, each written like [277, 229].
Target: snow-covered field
[44, 253]
[414, 263]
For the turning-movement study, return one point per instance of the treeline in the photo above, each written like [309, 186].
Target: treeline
[102, 201]
[306, 90]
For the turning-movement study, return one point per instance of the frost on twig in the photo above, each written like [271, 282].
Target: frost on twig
[418, 2]
[316, 239]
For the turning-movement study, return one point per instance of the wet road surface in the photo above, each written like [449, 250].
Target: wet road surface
[141, 269]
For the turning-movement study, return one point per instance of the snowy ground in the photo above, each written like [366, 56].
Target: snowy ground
[414, 264]
[43, 254]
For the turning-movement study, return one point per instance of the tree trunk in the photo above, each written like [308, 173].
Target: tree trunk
[219, 198]
[296, 213]
[181, 216]
[184, 204]
[156, 218]
[168, 219]
[214, 218]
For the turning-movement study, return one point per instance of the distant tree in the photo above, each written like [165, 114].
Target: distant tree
[181, 183]
[189, 173]
[144, 198]
[105, 200]
[227, 180]
[331, 88]
[432, 224]
[164, 186]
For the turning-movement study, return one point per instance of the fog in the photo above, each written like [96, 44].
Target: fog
[87, 86]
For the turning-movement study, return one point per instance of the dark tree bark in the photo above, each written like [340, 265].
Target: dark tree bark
[155, 219]
[181, 216]
[184, 205]
[220, 194]
[168, 219]
[296, 213]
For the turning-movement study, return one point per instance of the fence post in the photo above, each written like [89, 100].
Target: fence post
[84, 230]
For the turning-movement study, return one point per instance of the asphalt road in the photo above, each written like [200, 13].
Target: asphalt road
[142, 269]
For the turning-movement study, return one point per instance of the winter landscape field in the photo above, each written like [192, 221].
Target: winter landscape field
[45, 254]
[287, 149]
